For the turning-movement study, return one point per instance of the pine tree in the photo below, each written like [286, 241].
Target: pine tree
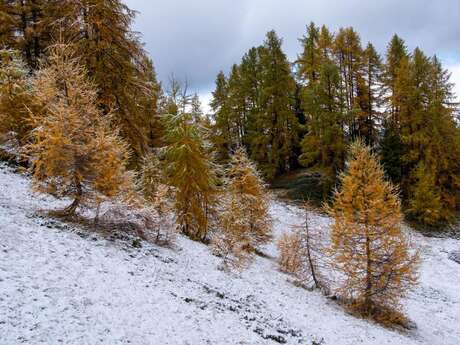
[245, 222]
[191, 171]
[74, 151]
[15, 94]
[368, 245]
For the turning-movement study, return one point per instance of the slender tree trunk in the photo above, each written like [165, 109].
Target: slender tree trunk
[96, 218]
[309, 256]
[24, 28]
[70, 210]
[35, 20]
[367, 293]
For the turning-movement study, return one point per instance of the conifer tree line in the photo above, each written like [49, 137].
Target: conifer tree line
[79, 98]
[337, 90]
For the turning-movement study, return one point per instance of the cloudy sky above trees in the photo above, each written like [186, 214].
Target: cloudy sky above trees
[194, 40]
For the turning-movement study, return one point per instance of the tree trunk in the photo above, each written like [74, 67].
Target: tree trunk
[310, 259]
[70, 210]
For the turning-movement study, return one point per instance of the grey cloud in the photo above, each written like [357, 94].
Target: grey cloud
[196, 39]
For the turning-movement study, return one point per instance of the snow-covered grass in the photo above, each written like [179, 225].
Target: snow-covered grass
[60, 284]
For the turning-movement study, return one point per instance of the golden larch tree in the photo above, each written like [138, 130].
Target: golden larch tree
[15, 94]
[190, 170]
[151, 176]
[368, 245]
[74, 151]
[245, 222]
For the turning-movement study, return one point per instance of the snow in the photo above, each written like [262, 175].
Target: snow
[60, 284]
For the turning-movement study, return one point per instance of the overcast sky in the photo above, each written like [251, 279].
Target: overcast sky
[196, 39]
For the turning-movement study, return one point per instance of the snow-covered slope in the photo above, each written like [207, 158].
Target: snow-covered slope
[59, 285]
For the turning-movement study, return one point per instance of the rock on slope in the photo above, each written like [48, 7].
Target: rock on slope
[61, 285]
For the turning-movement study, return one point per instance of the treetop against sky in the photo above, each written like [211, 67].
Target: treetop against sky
[196, 39]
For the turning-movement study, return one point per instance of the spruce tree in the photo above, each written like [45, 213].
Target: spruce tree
[391, 151]
[368, 244]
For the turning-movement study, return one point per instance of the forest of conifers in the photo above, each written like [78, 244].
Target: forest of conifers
[286, 114]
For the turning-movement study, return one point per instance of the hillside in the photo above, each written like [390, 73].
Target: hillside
[60, 284]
